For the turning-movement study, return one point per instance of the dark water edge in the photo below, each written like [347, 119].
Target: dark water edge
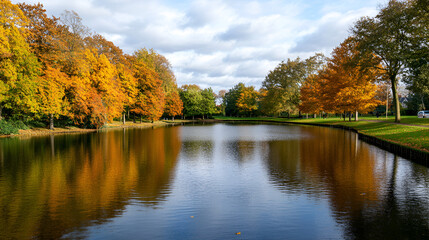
[409, 153]
[210, 182]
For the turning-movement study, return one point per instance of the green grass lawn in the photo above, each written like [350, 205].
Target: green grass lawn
[411, 136]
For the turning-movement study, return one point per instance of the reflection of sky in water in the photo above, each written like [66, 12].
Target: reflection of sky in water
[255, 133]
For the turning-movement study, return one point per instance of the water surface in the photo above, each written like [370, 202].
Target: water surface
[209, 182]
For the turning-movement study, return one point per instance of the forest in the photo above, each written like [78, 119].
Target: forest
[55, 71]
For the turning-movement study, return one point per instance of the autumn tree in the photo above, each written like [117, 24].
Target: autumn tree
[42, 33]
[128, 85]
[51, 94]
[123, 64]
[173, 104]
[311, 95]
[19, 68]
[247, 102]
[346, 85]
[96, 92]
[150, 97]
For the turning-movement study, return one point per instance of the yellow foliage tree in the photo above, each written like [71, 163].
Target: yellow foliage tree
[247, 102]
[51, 94]
[19, 68]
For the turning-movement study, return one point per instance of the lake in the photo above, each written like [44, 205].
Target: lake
[219, 181]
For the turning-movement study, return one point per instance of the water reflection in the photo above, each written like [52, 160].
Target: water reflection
[364, 190]
[51, 186]
[266, 181]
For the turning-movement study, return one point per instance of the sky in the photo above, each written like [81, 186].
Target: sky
[219, 43]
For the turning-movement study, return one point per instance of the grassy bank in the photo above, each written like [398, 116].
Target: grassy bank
[35, 131]
[412, 132]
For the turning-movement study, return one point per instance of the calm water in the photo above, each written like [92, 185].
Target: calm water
[209, 182]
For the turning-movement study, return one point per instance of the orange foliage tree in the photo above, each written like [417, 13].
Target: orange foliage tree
[354, 87]
[97, 92]
[51, 94]
[150, 98]
[173, 104]
[310, 95]
[344, 85]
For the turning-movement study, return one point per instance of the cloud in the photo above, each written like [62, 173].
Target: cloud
[332, 30]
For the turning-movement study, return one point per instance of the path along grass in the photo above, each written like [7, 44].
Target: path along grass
[412, 132]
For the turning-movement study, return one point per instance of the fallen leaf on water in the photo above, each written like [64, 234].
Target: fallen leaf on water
[238, 233]
[192, 216]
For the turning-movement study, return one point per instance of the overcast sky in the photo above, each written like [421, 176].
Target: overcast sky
[219, 43]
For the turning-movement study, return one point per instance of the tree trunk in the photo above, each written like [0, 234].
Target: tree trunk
[173, 118]
[203, 116]
[51, 122]
[134, 118]
[1, 108]
[306, 115]
[141, 120]
[350, 116]
[396, 99]
[315, 116]
[123, 119]
[357, 116]
[192, 117]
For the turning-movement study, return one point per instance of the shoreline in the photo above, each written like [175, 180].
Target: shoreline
[73, 130]
[420, 156]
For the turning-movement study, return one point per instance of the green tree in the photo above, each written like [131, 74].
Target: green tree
[418, 38]
[230, 99]
[208, 102]
[282, 85]
[191, 97]
[386, 36]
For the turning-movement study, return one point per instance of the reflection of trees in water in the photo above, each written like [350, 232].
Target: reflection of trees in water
[401, 214]
[363, 191]
[52, 186]
[283, 165]
[193, 150]
[239, 151]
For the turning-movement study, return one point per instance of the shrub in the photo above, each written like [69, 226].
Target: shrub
[19, 124]
[7, 128]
